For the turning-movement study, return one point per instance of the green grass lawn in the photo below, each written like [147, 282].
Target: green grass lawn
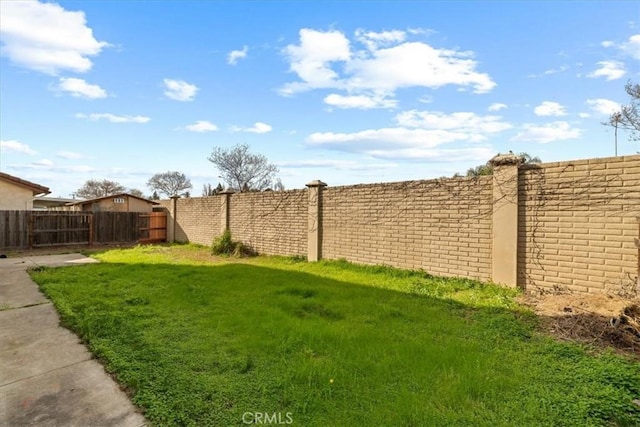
[202, 341]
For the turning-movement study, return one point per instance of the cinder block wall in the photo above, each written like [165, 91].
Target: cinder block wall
[197, 219]
[577, 223]
[442, 226]
[272, 222]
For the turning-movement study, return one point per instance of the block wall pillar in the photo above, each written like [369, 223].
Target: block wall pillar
[314, 228]
[504, 255]
[224, 210]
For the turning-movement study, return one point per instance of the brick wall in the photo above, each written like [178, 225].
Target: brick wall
[197, 219]
[577, 222]
[442, 226]
[553, 226]
[273, 222]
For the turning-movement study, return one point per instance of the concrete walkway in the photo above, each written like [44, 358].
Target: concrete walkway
[47, 377]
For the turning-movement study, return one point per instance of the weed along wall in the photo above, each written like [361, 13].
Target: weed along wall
[552, 226]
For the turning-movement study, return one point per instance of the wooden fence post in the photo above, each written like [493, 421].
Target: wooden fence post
[30, 228]
[90, 216]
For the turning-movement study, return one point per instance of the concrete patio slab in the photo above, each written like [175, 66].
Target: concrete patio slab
[26, 355]
[77, 395]
[47, 377]
[15, 294]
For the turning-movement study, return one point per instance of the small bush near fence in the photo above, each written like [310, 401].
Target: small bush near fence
[224, 245]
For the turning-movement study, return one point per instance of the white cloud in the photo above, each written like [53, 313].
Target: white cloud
[374, 41]
[392, 143]
[632, 46]
[79, 88]
[179, 90]
[436, 155]
[70, 155]
[554, 131]
[401, 144]
[419, 136]
[113, 118]
[311, 59]
[550, 71]
[202, 126]
[259, 127]
[610, 70]
[45, 163]
[363, 102]
[560, 69]
[384, 137]
[497, 106]
[76, 168]
[603, 106]
[584, 115]
[335, 164]
[549, 108]
[235, 55]
[474, 125]
[416, 64]
[47, 38]
[48, 165]
[16, 147]
[389, 62]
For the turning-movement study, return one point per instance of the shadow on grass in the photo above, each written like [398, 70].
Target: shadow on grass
[204, 345]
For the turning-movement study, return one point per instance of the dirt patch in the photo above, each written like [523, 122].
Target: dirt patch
[603, 320]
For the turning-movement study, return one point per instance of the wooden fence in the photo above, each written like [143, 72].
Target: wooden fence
[34, 229]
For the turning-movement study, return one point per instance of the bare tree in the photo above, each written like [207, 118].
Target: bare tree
[93, 189]
[170, 183]
[628, 118]
[278, 185]
[209, 190]
[242, 170]
[136, 192]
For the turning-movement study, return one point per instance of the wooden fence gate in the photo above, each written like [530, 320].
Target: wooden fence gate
[60, 228]
[153, 227]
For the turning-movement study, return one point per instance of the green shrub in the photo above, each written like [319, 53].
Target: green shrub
[224, 245]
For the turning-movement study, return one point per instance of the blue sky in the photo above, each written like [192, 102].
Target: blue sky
[347, 92]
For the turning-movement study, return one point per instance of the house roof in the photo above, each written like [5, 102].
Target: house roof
[52, 201]
[36, 188]
[97, 199]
